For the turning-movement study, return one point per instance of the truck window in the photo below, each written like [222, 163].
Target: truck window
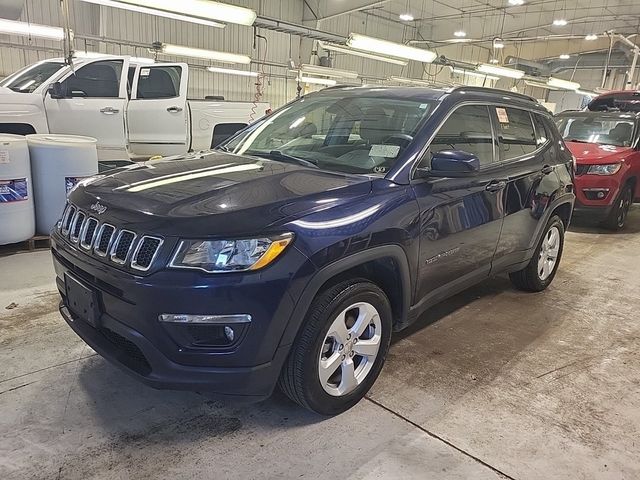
[467, 129]
[515, 133]
[222, 131]
[96, 80]
[159, 82]
[32, 77]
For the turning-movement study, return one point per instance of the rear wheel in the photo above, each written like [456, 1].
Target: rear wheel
[618, 215]
[542, 268]
[341, 348]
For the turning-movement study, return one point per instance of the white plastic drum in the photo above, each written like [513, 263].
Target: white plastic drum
[58, 163]
[17, 218]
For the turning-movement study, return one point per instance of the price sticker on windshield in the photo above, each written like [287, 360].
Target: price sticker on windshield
[386, 151]
[4, 156]
[502, 115]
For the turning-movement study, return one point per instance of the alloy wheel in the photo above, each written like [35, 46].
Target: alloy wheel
[549, 253]
[350, 349]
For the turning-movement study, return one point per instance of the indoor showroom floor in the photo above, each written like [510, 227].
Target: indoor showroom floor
[493, 383]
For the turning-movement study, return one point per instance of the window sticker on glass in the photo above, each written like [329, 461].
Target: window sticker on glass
[145, 72]
[386, 151]
[502, 115]
[4, 156]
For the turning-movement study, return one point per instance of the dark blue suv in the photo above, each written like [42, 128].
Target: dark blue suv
[290, 254]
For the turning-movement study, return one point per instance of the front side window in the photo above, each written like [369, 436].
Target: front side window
[516, 135]
[467, 129]
[32, 77]
[96, 80]
[349, 134]
[604, 129]
[159, 82]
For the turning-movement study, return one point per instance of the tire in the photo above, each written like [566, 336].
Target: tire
[618, 215]
[321, 339]
[537, 275]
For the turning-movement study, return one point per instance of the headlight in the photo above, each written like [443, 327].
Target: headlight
[219, 256]
[609, 169]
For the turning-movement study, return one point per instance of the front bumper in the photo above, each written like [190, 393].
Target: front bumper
[131, 351]
[129, 334]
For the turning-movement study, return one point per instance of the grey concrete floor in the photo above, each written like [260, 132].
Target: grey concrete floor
[493, 383]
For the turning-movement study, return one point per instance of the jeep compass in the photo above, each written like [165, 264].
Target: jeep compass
[290, 254]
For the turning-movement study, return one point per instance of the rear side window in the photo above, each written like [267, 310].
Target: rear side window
[467, 129]
[222, 131]
[516, 135]
[159, 82]
[542, 133]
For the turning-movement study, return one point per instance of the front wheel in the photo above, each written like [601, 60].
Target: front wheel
[542, 268]
[341, 348]
[618, 215]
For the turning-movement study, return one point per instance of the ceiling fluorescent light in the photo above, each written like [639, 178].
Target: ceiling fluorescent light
[406, 17]
[591, 37]
[231, 71]
[560, 22]
[472, 73]
[375, 45]
[328, 71]
[223, 57]
[411, 81]
[318, 81]
[500, 71]
[459, 33]
[348, 51]
[153, 11]
[202, 9]
[10, 27]
[564, 84]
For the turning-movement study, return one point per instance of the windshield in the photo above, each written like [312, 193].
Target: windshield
[31, 78]
[601, 129]
[336, 132]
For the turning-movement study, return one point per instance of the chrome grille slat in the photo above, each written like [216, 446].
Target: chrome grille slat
[88, 234]
[146, 252]
[120, 246]
[67, 219]
[105, 239]
[76, 226]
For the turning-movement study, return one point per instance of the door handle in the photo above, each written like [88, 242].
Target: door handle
[109, 110]
[496, 186]
[174, 109]
[547, 169]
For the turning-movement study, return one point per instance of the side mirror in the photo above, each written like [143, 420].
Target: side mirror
[56, 91]
[454, 163]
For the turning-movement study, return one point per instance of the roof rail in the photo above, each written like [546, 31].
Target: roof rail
[493, 90]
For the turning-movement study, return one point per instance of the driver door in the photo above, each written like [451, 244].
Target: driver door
[460, 218]
[94, 105]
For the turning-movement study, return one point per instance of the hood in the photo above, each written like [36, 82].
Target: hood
[215, 193]
[594, 153]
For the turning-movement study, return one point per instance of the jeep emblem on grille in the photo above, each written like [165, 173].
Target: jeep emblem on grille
[98, 208]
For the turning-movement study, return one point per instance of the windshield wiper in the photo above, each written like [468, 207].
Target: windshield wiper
[283, 157]
[575, 140]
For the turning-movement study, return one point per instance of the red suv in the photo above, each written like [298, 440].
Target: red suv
[605, 144]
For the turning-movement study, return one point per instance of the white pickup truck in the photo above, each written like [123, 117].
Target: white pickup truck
[133, 110]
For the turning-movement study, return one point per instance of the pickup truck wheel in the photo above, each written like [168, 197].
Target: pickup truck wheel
[341, 348]
[618, 215]
[542, 268]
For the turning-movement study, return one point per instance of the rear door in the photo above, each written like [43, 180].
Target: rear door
[157, 116]
[460, 218]
[527, 154]
[94, 105]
